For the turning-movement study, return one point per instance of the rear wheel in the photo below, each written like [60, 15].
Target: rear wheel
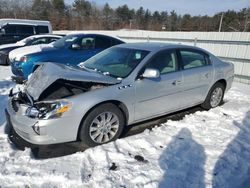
[103, 124]
[215, 96]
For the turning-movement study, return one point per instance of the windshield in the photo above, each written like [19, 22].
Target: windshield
[116, 62]
[65, 41]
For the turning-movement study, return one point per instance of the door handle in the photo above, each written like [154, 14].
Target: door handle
[176, 82]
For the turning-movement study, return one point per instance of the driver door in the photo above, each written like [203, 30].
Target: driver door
[158, 96]
[85, 51]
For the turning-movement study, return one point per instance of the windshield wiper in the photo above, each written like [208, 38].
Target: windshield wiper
[106, 73]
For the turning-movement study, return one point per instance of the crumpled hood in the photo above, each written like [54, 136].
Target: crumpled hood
[11, 45]
[48, 73]
[16, 54]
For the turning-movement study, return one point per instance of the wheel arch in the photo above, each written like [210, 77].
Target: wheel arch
[222, 81]
[119, 104]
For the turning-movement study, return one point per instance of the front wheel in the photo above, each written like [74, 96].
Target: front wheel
[103, 124]
[215, 96]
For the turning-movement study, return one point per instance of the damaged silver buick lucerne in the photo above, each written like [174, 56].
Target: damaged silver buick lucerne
[122, 85]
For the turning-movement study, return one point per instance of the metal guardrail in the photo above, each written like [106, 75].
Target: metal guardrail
[235, 59]
[187, 40]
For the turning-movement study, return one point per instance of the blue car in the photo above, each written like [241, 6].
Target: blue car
[69, 50]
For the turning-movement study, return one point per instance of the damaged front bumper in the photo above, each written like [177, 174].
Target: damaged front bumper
[39, 131]
[18, 141]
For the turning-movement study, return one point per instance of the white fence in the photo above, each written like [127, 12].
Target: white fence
[229, 46]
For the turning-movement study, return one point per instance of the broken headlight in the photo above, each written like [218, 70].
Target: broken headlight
[48, 110]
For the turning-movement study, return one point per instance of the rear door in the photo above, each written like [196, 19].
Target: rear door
[197, 76]
[161, 95]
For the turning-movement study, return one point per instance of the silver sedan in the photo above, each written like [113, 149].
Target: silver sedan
[122, 85]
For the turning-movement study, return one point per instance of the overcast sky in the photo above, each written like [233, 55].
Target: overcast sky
[193, 7]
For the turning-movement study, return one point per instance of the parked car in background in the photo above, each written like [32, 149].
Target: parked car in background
[71, 49]
[13, 30]
[29, 41]
[122, 85]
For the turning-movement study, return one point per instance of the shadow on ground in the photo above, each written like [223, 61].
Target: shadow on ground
[183, 162]
[232, 170]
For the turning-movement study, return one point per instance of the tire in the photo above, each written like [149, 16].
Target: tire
[108, 130]
[210, 101]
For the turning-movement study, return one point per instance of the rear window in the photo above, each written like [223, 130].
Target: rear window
[41, 29]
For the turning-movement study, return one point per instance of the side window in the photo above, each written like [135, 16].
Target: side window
[87, 43]
[39, 41]
[10, 30]
[42, 29]
[103, 42]
[53, 39]
[25, 29]
[165, 62]
[192, 59]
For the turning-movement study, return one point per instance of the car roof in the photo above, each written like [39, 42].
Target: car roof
[45, 35]
[95, 34]
[155, 46]
[23, 21]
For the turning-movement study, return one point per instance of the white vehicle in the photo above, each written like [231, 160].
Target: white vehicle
[13, 30]
[16, 54]
[5, 49]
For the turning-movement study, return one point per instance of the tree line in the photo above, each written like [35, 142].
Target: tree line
[86, 15]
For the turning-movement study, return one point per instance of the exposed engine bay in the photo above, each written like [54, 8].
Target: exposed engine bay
[64, 88]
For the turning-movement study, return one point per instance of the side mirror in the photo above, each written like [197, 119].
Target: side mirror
[151, 73]
[75, 46]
